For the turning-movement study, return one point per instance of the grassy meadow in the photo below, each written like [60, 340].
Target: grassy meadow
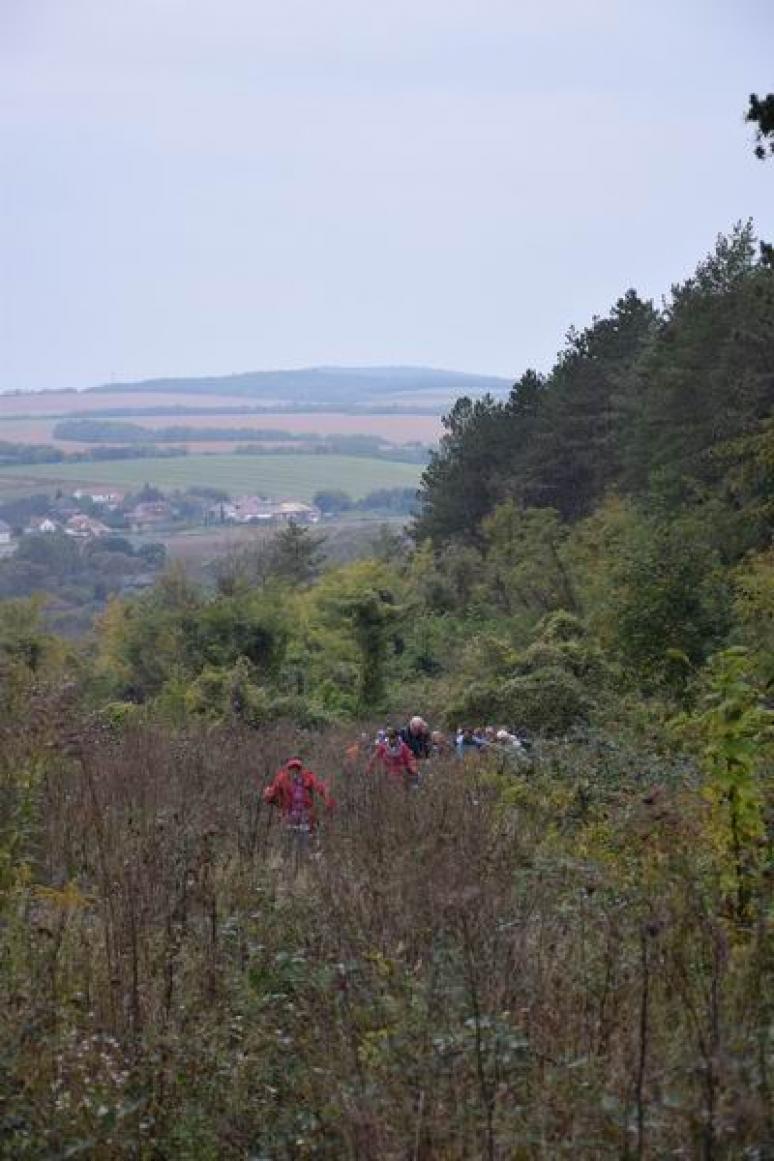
[299, 476]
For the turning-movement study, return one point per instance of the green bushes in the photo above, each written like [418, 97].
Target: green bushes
[549, 687]
[548, 700]
[732, 730]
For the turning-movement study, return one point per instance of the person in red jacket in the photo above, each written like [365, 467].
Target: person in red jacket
[294, 790]
[396, 758]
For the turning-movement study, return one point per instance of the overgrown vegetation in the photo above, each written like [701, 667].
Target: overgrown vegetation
[494, 966]
[78, 578]
[573, 958]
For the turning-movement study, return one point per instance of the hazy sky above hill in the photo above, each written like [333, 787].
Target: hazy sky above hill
[189, 187]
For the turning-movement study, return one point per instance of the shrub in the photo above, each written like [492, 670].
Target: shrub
[548, 700]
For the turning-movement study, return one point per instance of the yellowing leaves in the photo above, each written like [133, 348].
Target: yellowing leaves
[67, 898]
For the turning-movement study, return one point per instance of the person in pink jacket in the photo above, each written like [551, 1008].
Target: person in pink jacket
[394, 756]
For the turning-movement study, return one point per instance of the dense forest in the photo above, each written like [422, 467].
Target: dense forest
[567, 957]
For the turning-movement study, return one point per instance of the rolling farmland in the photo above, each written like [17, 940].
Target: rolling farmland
[398, 429]
[297, 476]
[30, 418]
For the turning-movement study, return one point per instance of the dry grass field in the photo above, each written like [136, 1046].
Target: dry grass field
[480, 968]
[65, 402]
[32, 418]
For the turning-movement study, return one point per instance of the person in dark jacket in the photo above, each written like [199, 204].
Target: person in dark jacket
[417, 737]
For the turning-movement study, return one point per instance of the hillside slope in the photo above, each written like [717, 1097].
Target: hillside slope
[317, 385]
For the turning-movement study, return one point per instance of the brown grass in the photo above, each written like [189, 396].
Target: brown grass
[38, 427]
[63, 402]
[443, 976]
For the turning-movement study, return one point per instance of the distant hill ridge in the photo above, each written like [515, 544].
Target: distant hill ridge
[325, 384]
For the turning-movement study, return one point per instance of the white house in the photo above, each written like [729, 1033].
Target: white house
[257, 510]
[109, 499]
[5, 533]
[41, 524]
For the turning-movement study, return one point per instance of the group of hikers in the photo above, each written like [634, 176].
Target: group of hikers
[399, 753]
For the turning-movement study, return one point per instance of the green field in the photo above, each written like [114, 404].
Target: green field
[295, 476]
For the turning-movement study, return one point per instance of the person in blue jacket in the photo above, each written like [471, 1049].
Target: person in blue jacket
[467, 742]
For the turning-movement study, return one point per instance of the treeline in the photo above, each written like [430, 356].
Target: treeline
[29, 453]
[606, 530]
[117, 440]
[395, 501]
[631, 487]
[368, 446]
[670, 407]
[35, 453]
[120, 432]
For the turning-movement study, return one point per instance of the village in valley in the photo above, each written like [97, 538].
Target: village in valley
[79, 549]
[88, 516]
[80, 546]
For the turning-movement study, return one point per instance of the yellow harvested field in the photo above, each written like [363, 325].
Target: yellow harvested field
[396, 428]
[59, 402]
[31, 418]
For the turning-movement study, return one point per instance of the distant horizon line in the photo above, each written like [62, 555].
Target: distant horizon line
[327, 368]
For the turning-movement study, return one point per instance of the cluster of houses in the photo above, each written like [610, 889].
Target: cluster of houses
[65, 515]
[79, 526]
[260, 510]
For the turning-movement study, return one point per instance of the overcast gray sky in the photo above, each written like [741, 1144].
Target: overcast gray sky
[206, 186]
